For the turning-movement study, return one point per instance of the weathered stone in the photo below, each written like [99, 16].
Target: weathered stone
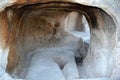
[26, 25]
[70, 70]
[44, 69]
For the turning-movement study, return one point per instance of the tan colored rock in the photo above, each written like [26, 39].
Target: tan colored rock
[26, 25]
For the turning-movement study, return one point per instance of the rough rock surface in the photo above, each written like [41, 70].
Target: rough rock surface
[25, 27]
[44, 69]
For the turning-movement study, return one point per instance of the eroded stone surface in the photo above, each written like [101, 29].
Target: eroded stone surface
[103, 29]
[44, 69]
[70, 70]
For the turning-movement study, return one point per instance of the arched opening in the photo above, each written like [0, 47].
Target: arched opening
[77, 25]
[38, 30]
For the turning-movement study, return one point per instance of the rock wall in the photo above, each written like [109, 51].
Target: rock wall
[39, 29]
[22, 32]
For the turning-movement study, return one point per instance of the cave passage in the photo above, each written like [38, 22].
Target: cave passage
[70, 39]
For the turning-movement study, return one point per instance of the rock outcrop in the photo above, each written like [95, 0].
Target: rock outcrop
[47, 35]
